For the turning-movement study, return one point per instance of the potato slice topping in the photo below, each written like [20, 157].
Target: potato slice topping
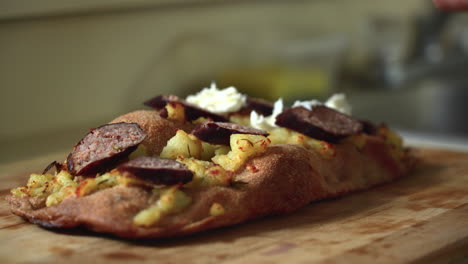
[243, 146]
[182, 145]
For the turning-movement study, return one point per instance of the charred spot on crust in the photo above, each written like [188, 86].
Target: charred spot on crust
[158, 171]
[192, 112]
[219, 132]
[321, 122]
[104, 147]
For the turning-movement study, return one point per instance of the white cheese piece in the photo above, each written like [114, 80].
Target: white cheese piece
[339, 103]
[259, 121]
[336, 101]
[307, 104]
[218, 101]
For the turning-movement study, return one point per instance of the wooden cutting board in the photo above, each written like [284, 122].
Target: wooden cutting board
[421, 218]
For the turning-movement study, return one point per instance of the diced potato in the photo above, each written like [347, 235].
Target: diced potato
[222, 150]
[131, 181]
[208, 151]
[64, 178]
[182, 144]
[45, 184]
[63, 187]
[326, 149]
[107, 180]
[56, 188]
[58, 197]
[20, 192]
[91, 185]
[286, 136]
[216, 209]
[175, 111]
[279, 135]
[198, 167]
[86, 187]
[206, 173]
[171, 200]
[148, 216]
[39, 184]
[240, 119]
[243, 146]
[38, 180]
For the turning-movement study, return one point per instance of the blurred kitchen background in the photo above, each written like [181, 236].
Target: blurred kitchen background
[67, 66]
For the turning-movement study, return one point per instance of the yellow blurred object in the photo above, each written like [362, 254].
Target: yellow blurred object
[276, 81]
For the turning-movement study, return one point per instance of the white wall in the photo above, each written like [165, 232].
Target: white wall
[67, 71]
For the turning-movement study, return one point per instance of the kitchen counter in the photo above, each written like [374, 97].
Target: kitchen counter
[417, 219]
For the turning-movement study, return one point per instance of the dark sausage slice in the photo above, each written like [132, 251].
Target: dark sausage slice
[220, 132]
[160, 101]
[158, 171]
[258, 105]
[192, 112]
[321, 122]
[103, 147]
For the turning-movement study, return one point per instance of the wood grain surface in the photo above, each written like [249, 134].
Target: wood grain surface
[421, 218]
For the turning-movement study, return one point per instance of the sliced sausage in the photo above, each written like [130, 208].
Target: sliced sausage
[258, 105]
[220, 132]
[104, 147]
[192, 112]
[158, 171]
[321, 122]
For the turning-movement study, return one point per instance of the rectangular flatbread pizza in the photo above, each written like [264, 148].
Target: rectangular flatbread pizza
[216, 158]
